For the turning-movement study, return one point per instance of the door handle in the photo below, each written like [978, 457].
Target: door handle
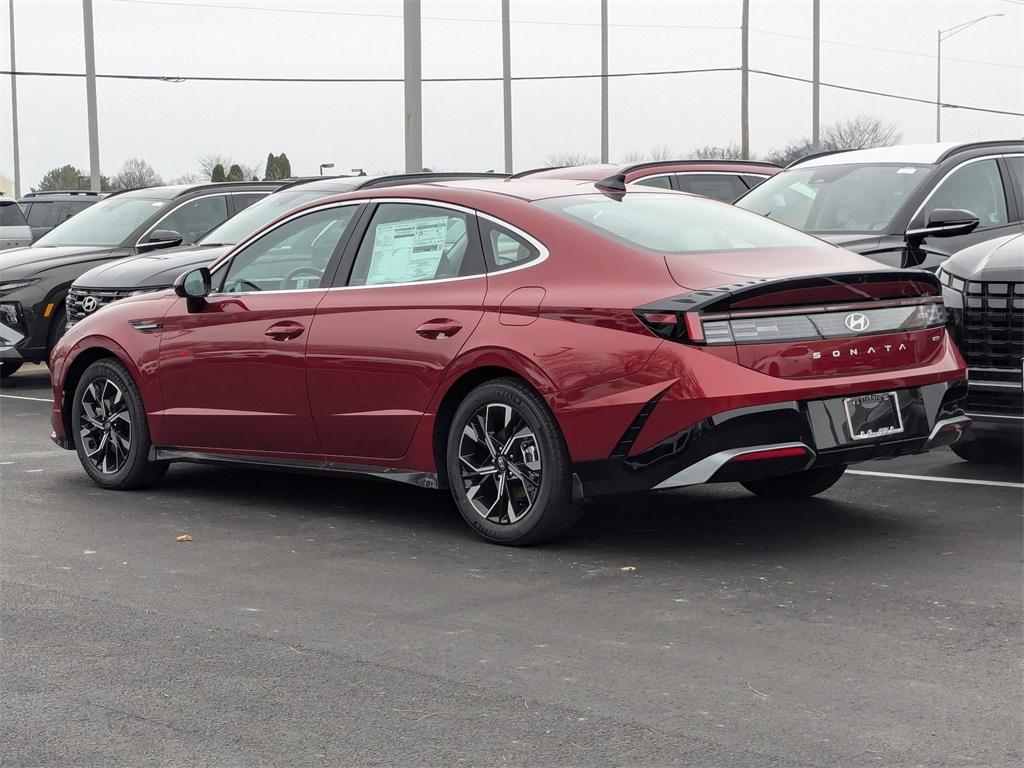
[285, 330]
[441, 328]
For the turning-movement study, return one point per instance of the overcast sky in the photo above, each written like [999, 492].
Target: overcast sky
[361, 125]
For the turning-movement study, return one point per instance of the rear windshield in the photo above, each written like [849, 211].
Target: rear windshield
[677, 223]
[11, 215]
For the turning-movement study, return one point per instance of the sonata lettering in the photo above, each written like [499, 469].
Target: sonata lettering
[854, 351]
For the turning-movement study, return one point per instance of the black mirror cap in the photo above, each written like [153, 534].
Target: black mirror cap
[162, 238]
[195, 284]
[948, 222]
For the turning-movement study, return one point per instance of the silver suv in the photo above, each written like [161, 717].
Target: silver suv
[14, 230]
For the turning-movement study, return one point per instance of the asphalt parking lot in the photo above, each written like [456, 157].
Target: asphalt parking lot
[315, 621]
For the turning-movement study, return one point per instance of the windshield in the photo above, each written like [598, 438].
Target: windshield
[836, 198]
[108, 222]
[244, 223]
[677, 223]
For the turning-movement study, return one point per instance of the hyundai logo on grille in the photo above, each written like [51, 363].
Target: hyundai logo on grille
[89, 304]
[857, 322]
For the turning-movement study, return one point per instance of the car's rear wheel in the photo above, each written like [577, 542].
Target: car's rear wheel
[109, 427]
[798, 485]
[9, 368]
[508, 466]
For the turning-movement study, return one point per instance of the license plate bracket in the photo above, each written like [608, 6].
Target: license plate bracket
[869, 417]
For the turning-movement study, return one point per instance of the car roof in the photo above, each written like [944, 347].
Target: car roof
[173, 191]
[917, 154]
[637, 170]
[350, 183]
[525, 189]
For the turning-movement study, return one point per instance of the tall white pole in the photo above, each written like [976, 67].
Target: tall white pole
[14, 110]
[413, 89]
[506, 80]
[90, 96]
[938, 86]
[604, 81]
[745, 81]
[816, 76]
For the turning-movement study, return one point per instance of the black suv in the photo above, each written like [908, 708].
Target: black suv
[905, 206]
[109, 282]
[45, 210]
[983, 287]
[34, 280]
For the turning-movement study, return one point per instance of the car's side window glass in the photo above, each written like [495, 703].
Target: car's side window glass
[976, 187]
[243, 201]
[411, 243]
[751, 180]
[39, 215]
[195, 218]
[717, 186]
[293, 256]
[662, 182]
[1017, 170]
[504, 249]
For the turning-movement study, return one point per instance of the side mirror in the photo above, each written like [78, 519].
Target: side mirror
[161, 238]
[947, 222]
[195, 285]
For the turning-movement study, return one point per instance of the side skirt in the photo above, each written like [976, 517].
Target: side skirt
[409, 476]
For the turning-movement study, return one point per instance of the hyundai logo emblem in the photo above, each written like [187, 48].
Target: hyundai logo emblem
[857, 322]
[89, 304]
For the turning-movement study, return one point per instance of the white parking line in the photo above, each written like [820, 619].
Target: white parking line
[22, 397]
[961, 480]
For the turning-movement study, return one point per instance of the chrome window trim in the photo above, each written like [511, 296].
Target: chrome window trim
[159, 221]
[949, 173]
[361, 201]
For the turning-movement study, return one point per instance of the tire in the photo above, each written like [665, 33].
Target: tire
[987, 450]
[109, 427]
[9, 368]
[796, 486]
[532, 501]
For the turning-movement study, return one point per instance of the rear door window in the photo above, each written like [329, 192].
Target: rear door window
[717, 186]
[42, 214]
[243, 201]
[412, 243]
[751, 180]
[11, 215]
[504, 249]
[665, 182]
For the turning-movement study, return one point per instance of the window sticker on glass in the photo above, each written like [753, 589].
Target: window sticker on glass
[907, 170]
[803, 189]
[407, 251]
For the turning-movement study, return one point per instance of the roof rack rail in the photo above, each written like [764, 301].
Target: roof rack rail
[427, 176]
[976, 145]
[815, 155]
[701, 161]
[45, 192]
[530, 171]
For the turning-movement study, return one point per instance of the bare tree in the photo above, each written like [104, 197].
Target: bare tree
[730, 151]
[136, 173]
[860, 132]
[570, 158]
[633, 157]
[187, 178]
[663, 152]
[208, 162]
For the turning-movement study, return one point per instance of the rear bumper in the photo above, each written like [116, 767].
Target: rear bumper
[777, 439]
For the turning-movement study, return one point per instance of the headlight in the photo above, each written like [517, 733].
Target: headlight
[14, 285]
[950, 281]
[10, 315]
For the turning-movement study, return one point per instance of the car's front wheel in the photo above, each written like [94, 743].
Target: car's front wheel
[798, 485]
[508, 465]
[109, 427]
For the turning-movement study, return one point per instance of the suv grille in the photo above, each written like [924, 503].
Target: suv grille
[993, 325]
[82, 302]
[992, 342]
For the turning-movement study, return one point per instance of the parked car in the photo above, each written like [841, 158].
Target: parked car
[14, 230]
[718, 179]
[34, 280]
[115, 280]
[906, 206]
[984, 291]
[45, 210]
[524, 344]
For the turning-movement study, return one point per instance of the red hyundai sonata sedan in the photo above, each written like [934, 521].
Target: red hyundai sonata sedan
[525, 344]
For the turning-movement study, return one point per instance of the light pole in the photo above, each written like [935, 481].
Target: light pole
[325, 165]
[940, 35]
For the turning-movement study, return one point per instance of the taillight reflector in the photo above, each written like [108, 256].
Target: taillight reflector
[772, 453]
